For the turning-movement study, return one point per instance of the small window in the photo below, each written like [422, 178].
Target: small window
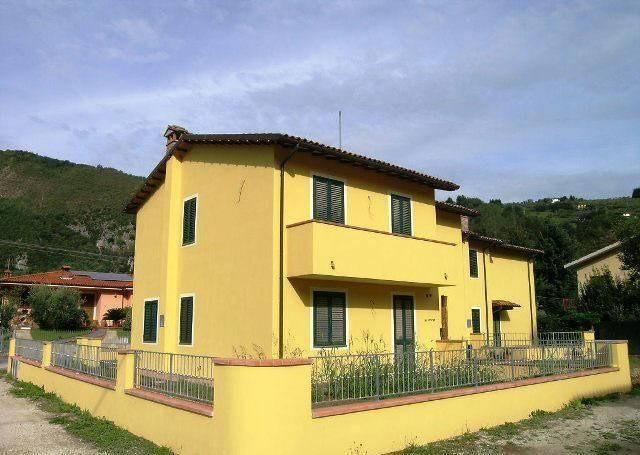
[475, 320]
[328, 199]
[186, 320]
[473, 263]
[400, 215]
[150, 331]
[329, 319]
[189, 221]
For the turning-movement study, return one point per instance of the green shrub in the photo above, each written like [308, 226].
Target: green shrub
[126, 325]
[115, 314]
[8, 306]
[57, 308]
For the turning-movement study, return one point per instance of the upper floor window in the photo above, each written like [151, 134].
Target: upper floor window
[400, 214]
[473, 263]
[328, 199]
[329, 319]
[189, 213]
[150, 329]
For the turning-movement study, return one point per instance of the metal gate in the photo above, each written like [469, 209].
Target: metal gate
[5, 335]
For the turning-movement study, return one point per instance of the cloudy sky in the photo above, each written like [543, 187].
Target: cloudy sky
[514, 100]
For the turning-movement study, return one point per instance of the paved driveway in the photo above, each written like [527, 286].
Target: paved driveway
[25, 429]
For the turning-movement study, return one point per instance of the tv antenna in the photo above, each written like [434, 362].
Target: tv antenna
[340, 130]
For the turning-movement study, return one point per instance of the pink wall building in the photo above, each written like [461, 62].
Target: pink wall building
[100, 291]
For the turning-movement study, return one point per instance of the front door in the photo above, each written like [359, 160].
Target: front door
[497, 333]
[403, 331]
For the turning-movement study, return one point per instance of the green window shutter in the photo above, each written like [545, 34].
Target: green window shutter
[189, 221]
[186, 320]
[400, 215]
[329, 319]
[328, 199]
[150, 331]
[475, 320]
[473, 263]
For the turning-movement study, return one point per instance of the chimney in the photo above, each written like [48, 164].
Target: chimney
[464, 222]
[66, 268]
[173, 133]
[6, 274]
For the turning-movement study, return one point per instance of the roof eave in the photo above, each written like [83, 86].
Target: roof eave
[185, 141]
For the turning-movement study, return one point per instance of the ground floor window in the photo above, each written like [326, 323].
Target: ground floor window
[475, 320]
[186, 320]
[150, 330]
[329, 319]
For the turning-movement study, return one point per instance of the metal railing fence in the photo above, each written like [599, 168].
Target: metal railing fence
[30, 349]
[97, 361]
[562, 338]
[510, 339]
[338, 378]
[178, 375]
[5, 336]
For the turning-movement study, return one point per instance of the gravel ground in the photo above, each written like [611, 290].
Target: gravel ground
[25, 429]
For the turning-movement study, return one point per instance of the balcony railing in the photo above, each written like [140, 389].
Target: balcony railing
[97, 361]
[340, 378]
[184, 376]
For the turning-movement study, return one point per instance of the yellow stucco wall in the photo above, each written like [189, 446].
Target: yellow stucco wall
[229, 269]
[597, 266]
[233, 268]
[267, 410]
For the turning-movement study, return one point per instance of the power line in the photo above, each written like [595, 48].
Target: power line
[51, 249]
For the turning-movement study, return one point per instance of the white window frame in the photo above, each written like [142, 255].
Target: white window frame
[346, 319]
[408, 196]
[344, 196]
[195, 230]
[193, 319]
[151, 299]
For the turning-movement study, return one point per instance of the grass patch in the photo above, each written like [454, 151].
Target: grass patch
[53, 335]
[497, 440]
[101, 433]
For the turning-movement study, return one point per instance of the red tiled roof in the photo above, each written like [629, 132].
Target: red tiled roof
[186, 140]
[455, 208]
[501, 243]
[64, 277]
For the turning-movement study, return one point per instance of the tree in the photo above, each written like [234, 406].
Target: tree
[57, 308]
[8, 306]
[115, 314]
[629, 234]
[607, 298]
[126, 325]
[636, 193]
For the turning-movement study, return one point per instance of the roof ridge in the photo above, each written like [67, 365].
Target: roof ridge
[307, 145]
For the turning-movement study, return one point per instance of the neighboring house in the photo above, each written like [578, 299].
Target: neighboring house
[100, 291]
[274, 245]
[607, 258]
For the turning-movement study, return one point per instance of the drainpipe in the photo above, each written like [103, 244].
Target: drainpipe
[281, 284]
[486, 296]
[529, 262]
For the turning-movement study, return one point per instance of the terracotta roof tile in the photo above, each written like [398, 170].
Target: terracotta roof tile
[305, 145]
[66, 278]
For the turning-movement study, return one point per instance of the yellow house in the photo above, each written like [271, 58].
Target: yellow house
[273, 245]
[607, 258]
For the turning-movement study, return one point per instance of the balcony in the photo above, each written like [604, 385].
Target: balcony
[329, 251]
